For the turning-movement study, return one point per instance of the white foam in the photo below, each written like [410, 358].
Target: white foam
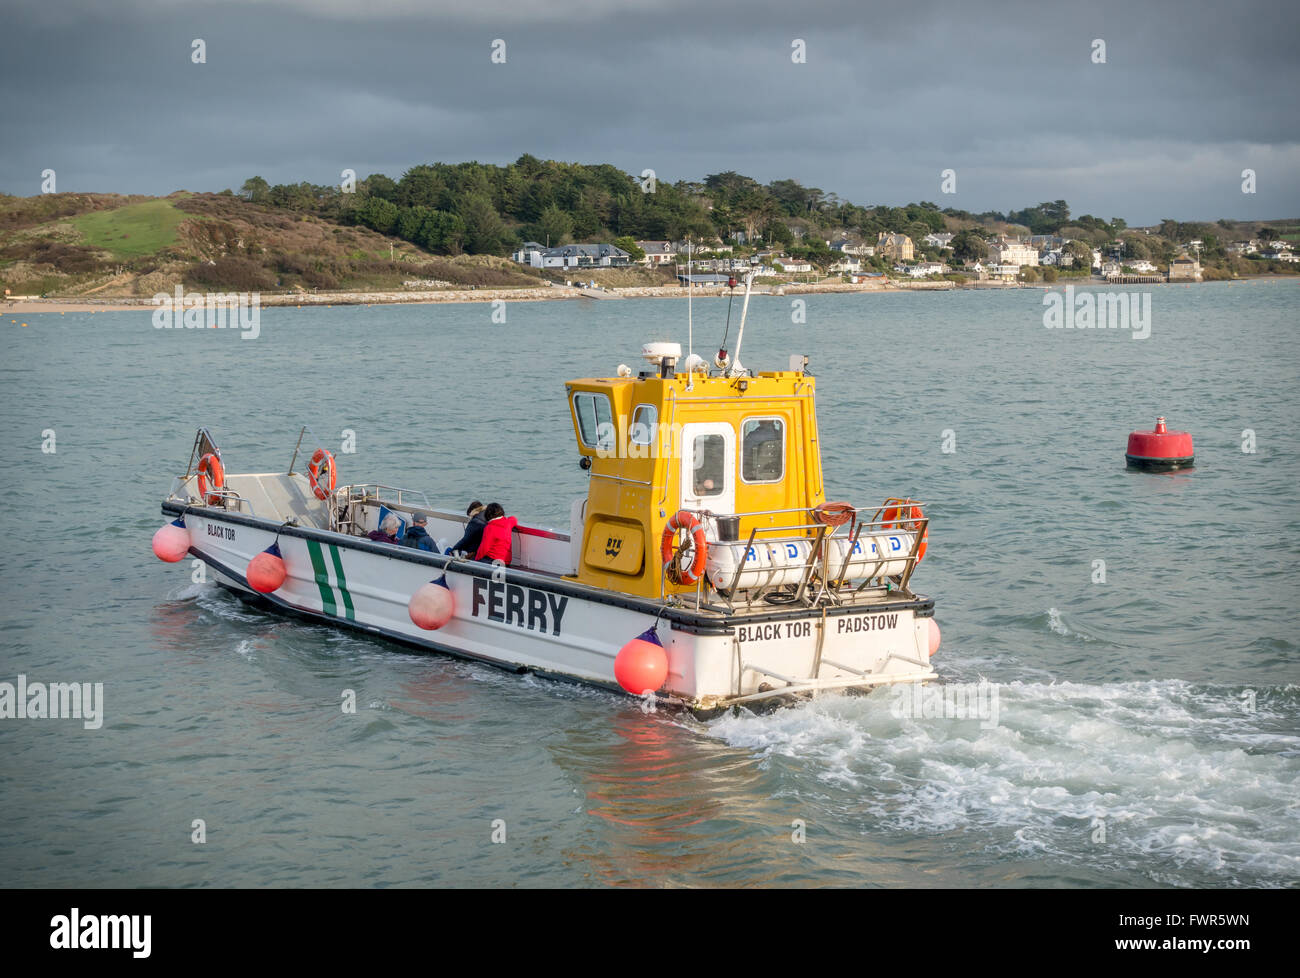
[1176, 773]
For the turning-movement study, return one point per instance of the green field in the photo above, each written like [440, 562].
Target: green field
[137, 229]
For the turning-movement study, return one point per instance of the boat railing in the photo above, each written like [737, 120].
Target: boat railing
[223, 497]
[822, 578]
[362, 493]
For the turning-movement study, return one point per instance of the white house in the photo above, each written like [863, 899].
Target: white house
[656, 252]
[572, 256]
[1005, 252]
[525, 254]
[941, 239]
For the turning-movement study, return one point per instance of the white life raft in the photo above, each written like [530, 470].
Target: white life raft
[785, 562]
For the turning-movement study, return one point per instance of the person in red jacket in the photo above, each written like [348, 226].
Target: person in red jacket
[497, 535]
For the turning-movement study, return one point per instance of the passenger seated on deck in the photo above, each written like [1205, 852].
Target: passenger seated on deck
[387, 532]
[497, 535]
[417, 535]
[468, 544]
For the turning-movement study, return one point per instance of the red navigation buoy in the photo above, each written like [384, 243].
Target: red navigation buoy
[641, 665]
[266, 571]
[1160, 450]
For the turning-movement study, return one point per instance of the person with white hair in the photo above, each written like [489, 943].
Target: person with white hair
[387, 532]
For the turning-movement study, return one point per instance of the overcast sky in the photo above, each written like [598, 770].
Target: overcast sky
[104, 92]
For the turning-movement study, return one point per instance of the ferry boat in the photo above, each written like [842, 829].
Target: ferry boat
[704, 566]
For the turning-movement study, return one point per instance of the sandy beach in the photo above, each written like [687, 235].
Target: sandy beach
[31, 305]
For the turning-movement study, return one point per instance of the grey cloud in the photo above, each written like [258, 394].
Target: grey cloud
[1006, 96]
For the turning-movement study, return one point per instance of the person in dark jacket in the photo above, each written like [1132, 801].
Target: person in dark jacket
[468, 544]
[418, 534]
[498, 535]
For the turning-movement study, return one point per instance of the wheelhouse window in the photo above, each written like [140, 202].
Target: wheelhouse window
[595, 419]
[643, 424]
[709, 465]
[762, 450]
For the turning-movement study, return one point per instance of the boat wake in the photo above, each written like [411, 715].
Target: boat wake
[1181, 784]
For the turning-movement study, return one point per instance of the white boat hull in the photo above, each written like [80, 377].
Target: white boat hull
[524, 620]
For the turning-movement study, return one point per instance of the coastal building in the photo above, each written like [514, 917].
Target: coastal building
[896, 247]
[1184, 269]
[1003, 273]
[657, 252]
[794, 264]
[858, 249]
[938, 240]
[572, 256]
[926, 268]
[1005, 251]
[524, 254]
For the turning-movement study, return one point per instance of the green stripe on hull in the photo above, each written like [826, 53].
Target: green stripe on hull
[348, 611]
[322, 577]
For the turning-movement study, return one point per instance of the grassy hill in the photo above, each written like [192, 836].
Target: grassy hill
[109, 245]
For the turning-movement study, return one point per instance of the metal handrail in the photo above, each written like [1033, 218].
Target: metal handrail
[820, 554]
[378, 487]
[227, 494]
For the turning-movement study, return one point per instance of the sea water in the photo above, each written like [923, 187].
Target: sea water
[1139, 630]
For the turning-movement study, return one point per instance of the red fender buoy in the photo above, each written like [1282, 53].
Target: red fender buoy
[266, 571]
[432, 606]
[641, 665]
[172, 542]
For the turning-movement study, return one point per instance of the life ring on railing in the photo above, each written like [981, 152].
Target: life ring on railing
[833, 514]
[210, 470]
[322, 461]
[672, 555]
[906, 516]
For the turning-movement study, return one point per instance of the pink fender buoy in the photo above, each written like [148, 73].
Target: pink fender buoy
[432, 606]
[172, 542]
[934, 636]
[641, 665]
[266, 572]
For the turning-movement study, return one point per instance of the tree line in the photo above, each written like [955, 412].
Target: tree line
[477, 208]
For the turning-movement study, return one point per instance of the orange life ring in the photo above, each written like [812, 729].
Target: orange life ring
[322, 460]
[904, 516]
[210, 470]
[672, 556]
